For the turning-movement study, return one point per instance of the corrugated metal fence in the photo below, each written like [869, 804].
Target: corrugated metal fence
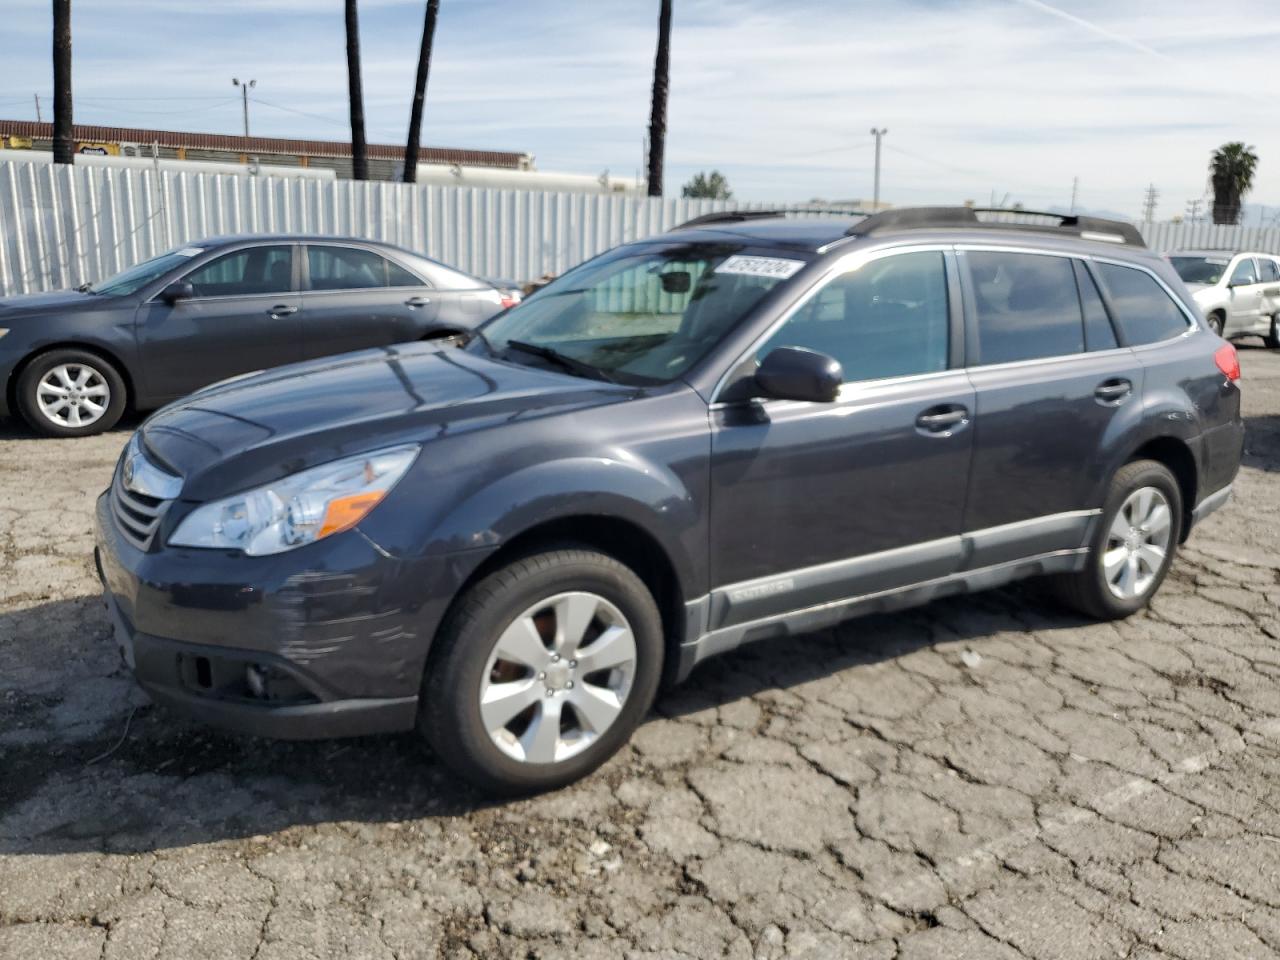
[63, 225]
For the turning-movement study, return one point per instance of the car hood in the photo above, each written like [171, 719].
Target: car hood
[1198, 288]
[258, 428]
[56, 301]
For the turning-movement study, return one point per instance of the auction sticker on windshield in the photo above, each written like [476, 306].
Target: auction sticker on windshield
[760, 266]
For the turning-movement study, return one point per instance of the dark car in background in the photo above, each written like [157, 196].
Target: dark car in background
[746, 429]
[71, 362]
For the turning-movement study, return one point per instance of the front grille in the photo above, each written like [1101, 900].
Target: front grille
[137, 515]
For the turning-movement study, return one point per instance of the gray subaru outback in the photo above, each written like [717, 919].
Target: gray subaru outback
[748, 428]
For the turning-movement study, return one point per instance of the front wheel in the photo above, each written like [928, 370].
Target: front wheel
[1217, 323]
[1133, 547]
[70, 393]
[542, 671]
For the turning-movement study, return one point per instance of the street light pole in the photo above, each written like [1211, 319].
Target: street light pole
[244, 92]
[878, 134]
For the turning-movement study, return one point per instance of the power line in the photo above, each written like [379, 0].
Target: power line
[301, 113]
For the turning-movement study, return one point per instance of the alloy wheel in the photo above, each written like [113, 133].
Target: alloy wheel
[1137, 543]
[73, 395]
[558, 677]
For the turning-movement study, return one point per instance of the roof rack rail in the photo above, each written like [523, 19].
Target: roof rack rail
[916, 218]
[738, 216]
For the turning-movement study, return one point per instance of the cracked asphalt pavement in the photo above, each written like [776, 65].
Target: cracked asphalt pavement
[987, 778]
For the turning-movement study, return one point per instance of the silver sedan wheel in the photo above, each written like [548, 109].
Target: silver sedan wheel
[73, 395]
[1137, 543]
[558, 677]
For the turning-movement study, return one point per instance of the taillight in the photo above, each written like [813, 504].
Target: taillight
[508, 302]
[1228, 361]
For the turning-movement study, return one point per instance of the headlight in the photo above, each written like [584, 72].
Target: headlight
[297, 510]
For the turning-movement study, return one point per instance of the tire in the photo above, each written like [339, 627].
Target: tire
[1217, 322]
[1098, 590]
[501, 634]
[1272, 339]
[93, 391]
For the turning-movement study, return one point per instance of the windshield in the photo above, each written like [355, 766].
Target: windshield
[141, 274]
[1200, 269]
[641, 315]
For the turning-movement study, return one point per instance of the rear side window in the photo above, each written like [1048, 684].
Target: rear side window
[349, 268]
[1144, 310]
[1027, 306]
[1269, 270]
[1098, 332]
[257, 270]
[888, 318]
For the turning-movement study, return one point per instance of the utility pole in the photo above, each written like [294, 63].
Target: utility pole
[875, 196]
[39, 118]
[1193, 210]
[1075, 192]
[1149, 204]
[244, 95]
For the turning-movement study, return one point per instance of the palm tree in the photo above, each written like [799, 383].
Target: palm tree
[359, 148]
[420, 92]
[64, 148]
[658, 112]
[1231, 173]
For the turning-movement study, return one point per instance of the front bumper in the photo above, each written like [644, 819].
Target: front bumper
[328, 640]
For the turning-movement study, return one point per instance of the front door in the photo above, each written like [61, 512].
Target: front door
[243, 317]
[1052, 381]
[1246, 297]
[812, 503]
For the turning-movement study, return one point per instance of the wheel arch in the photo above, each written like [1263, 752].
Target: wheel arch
[1175, 454]
[626, 541]
[103, 353]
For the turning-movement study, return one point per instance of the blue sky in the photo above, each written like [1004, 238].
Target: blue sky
[1008, 97]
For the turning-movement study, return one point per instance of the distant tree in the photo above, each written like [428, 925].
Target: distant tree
[658, 108]
[64, 147]
[1231, 172]
[707, 186]
[420, 92]
[355, 91]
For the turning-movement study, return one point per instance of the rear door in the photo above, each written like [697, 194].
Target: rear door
[355, 298]
[243, 317]
[1054, 387]
[812, 503]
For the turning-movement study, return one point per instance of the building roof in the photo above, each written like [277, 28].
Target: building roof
[259, 145]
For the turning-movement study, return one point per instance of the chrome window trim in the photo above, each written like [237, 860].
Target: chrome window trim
[845, 264]
[347, 245]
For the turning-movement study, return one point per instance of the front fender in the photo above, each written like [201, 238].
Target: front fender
[619, 486]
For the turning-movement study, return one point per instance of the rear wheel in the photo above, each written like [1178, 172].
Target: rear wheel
[542, 671]
[1133, 547]
[1272, 339]
[70, 393]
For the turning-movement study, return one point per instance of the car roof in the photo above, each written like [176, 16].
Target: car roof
[1211, 252]
[223, 240]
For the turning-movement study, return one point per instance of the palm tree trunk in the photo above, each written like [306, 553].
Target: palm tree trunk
[64, 147]
[359, 148]
[420, 92]
[658, 112]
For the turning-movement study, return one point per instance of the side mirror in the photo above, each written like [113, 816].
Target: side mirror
[793, 373]
[179, 290]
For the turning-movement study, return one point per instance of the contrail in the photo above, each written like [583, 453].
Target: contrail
[1092, 27]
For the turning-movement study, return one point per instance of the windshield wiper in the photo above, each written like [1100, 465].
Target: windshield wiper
[477, 335]
[572, 364]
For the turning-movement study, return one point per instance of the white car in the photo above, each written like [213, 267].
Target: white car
[1238, 292]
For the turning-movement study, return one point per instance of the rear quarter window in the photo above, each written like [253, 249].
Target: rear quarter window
[1144, 311]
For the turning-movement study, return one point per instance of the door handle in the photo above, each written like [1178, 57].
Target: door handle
[1113, 391]
[941, 420]
[281, 310]
[417, 301]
